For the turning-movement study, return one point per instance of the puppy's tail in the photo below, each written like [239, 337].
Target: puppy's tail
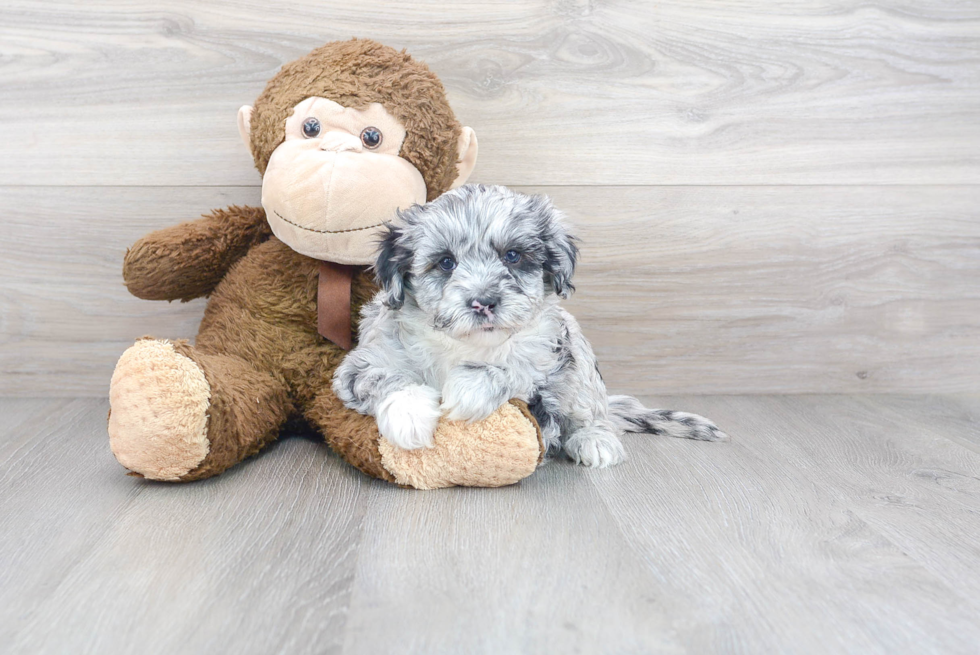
[630, 416]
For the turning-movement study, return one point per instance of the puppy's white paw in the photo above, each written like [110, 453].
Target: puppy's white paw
[470, 394]
[408, 418]
[595, 448]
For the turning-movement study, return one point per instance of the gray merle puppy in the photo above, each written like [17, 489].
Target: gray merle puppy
[468, 317]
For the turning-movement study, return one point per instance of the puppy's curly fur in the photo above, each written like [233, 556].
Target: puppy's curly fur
[469, 317]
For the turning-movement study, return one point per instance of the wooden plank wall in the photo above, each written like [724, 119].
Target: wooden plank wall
[773, 197]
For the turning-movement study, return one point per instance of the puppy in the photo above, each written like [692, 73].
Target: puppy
[468, 316]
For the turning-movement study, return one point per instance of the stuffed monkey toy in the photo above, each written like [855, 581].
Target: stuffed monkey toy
[343, 137]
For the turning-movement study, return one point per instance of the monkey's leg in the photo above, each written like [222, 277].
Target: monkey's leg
[499, 450]
[353, 436]
[180, 414]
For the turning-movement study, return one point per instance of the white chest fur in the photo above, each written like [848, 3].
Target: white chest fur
[533, 348]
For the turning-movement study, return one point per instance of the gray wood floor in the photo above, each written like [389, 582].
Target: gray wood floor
[828, 524]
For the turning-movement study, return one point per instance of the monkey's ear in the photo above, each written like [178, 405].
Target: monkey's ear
[392, 266]
[245, 125]
[466, 154]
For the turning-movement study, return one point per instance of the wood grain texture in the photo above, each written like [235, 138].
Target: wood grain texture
[769, 290]
[898, 464]
[682, 290]
[829, 524]
[59, 454]
[570, 92]
[745, 544]
[120, 564]
[843, 255]
[543, 569]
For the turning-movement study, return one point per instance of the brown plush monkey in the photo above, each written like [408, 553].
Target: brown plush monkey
[343, 137]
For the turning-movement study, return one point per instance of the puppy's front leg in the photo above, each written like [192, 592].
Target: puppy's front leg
[408, 417]
[473, 391]
[407, 412]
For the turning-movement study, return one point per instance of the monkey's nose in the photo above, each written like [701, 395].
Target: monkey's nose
[340, 142]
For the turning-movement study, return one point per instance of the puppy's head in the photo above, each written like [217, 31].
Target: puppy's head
[478, 261]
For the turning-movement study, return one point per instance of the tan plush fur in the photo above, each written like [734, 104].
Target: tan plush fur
[159, 432]
[258, 353]
[497, 451]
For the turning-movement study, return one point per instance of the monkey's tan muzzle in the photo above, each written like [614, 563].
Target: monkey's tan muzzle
[333, 205]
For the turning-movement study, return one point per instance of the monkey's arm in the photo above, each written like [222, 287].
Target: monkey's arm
[187, 261]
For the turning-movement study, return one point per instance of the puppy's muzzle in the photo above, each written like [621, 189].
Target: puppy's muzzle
[484, 306]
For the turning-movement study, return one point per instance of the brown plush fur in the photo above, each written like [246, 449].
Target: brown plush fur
[356, 73]
[258, 345]
[264, 360]
[188, 261]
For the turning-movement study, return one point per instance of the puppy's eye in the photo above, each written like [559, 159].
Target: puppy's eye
[311, 127]
[512, 256]
[371, 137]
[447, 263]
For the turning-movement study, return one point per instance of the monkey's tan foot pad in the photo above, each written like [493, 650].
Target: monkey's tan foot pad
[158, 417]
[502, 449]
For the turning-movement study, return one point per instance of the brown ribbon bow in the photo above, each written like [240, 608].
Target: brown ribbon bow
[333, 303]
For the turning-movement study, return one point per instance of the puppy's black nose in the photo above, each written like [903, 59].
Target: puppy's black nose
[484, 306]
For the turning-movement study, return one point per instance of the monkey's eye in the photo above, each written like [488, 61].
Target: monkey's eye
[311, 127]
[512, 256]
[371, 137]
[447, 263]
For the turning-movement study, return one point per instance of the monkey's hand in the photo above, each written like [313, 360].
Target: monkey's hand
[188, 261]
[473, 391]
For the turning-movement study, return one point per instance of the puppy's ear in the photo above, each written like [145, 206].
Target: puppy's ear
[561, 253]
[392, 266]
